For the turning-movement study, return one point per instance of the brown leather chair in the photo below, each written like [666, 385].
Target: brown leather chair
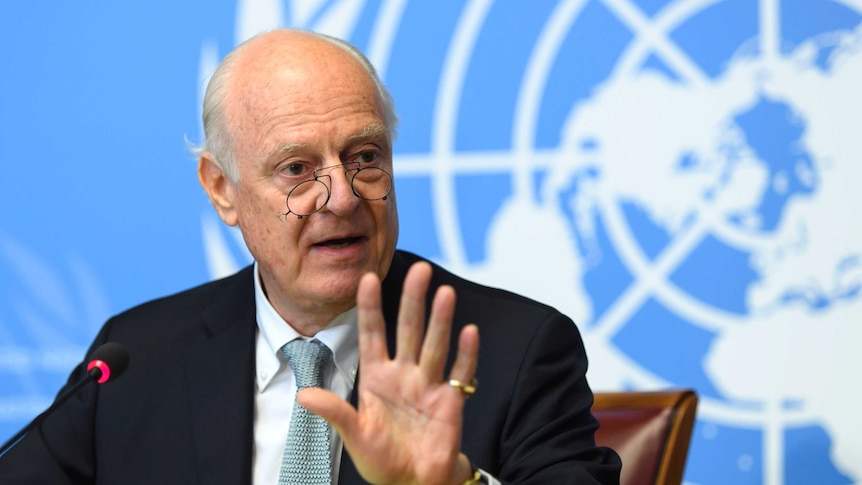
[650, 431]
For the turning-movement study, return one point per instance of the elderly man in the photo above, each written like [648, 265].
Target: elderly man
[231, 382]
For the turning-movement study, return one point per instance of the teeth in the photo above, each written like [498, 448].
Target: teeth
[339, 244]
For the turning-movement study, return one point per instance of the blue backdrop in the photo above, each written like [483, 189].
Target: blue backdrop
[678, 176]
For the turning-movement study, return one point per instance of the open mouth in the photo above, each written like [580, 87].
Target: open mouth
[339, 243]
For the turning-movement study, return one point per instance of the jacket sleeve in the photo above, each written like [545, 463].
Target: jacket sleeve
[548, 436]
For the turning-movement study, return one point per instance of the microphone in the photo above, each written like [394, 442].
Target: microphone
[107, 362]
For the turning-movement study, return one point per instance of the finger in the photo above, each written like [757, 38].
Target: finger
[372, 332]
[435, 348]
[411, 312]
[464, 368]
[339, 413]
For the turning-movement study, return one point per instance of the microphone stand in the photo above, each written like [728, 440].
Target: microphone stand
[93, 375]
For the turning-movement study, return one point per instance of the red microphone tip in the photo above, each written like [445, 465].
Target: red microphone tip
[103, 368]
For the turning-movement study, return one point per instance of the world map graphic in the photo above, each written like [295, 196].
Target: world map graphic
[678, 176]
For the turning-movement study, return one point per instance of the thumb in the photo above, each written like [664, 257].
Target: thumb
[339, 413]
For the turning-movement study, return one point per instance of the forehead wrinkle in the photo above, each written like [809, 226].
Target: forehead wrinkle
[371, 131]
[295, 114]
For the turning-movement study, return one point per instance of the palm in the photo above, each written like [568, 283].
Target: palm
[407, 428]
[417, 422]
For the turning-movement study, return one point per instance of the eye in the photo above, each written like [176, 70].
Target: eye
[294, 169]
[367, 157]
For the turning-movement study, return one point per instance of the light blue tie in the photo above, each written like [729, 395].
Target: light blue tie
[306, 460]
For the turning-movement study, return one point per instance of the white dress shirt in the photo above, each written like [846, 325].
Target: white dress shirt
[275, 389]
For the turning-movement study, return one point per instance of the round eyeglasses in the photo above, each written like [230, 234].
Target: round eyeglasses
[308, 197]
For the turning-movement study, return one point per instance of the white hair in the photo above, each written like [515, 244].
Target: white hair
[218, 139]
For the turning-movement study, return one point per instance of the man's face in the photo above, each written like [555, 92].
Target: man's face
[289, 118]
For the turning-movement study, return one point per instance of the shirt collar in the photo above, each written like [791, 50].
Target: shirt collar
[340, 335]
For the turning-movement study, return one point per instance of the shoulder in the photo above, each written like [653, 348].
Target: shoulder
[487, 306]
[442, 276]
[219, 299]
[199, 296]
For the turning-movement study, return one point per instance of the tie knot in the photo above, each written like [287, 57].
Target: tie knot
[307, 360]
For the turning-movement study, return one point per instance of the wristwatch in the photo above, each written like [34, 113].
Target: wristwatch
[478, 478]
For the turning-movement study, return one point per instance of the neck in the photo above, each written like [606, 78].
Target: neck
[307, 319]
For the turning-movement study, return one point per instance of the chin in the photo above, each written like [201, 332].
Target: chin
[340, 287]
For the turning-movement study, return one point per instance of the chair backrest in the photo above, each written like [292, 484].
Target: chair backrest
[650, 431]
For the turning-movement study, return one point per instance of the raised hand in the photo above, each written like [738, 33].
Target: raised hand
[407, 429]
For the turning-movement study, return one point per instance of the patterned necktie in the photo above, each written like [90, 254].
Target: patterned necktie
[306, 459]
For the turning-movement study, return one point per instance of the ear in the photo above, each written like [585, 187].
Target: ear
[219, 188]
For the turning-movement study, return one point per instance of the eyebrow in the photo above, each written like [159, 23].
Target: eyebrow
[286, 148]
[371, 131]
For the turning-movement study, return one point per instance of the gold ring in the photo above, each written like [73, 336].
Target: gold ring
[466, 389]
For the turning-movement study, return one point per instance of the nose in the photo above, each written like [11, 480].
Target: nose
[342, 200]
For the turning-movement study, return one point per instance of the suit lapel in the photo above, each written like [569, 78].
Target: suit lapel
[221, 386]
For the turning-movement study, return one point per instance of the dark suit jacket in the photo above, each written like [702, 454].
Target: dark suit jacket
[182, 412]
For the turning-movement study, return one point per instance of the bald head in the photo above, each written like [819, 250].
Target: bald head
[276, 61]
